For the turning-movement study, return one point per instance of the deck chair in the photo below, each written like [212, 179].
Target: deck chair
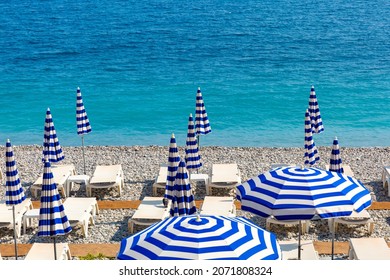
[226, 176]
[6, 215]
[305, 225]
[218, 205]
[150, 211]
[81, 212]
[347, 170]
[386, 178]
[368, 248]
[45, 251]
[361, 218]
[61, 174]
[161, 179]
[290, 250]
[106, 176]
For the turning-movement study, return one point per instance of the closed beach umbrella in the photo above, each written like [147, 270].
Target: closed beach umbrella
[311, 153]
[335, 159]
[83, 126]
[201, 238]
[173, 164]
[192, 156]
[295, 193]
[52, 218]
[183, 202]
[14, 193]
[52, 150]
[202, 123]
[314, 111]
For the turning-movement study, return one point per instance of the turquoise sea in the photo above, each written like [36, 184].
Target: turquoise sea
[139, 64]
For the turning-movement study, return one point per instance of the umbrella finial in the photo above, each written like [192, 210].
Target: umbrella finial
[335, 138]
[198, 219]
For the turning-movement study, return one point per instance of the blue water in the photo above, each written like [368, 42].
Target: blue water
[139, 64]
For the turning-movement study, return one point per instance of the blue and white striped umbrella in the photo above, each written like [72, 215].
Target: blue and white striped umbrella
[52, 218]
[311, 153]
[201, 238]
[14, 193]
[314, 111]
[335, 159]
[83, 126]
[52, 150]
[173, 164]
[183, 202]
[192, 156]
[202, 123]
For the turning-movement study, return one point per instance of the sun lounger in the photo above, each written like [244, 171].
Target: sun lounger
[81, 212]
[161, 179]
[6, 214]
[225, 176]
[368, 248]
[361, 218]
[150, 211]
[61, 174]
[290, 250]
[347, 170]
[386, 178]
[45, 251]
[305, 225]
[106, 176]
[218, 205]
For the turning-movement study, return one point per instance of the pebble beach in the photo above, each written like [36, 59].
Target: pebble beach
[141, 164]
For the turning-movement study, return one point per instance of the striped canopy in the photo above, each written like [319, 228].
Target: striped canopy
[14, 193]
[52, 218]
[173, 163]
[183, 202]
[295, 193]
[335, 159]
[83, 126]
[311, 153]
[314, 111]
[192, 156]
[202, 124]
[52, 150]
[201, 238]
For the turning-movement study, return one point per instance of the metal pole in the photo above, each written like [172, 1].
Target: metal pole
[82, 144]
[16, 246]
[333, 236]
[55, 248]
[299, 239]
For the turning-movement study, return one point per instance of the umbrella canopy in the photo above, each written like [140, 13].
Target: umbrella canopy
[335, 159]
[173, 164]
[83, 126]
[202, 124]
[311, 152]
[192, 156]
[201, 238]
[52, 218]
[14, 193]
[183, 202]
[52, 150]
[314, 111]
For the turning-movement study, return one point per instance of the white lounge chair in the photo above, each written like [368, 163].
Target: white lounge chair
[368, 248]
[290, 250]
[45, 251]
[161, 179]
[305, 225]
[106, 176]
[218, 205]
[226, 176]
[61, 174]
[150, 211]
[361, 218]
[347, 170]
[386, 178]
[6, 214]
[81, 211]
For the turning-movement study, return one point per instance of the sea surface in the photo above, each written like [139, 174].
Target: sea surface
[139, 64]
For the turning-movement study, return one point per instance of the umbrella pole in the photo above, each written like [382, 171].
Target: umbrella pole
[299, 239]
[16, 246]
[82, 144]
[333, 236]
[55, 248]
